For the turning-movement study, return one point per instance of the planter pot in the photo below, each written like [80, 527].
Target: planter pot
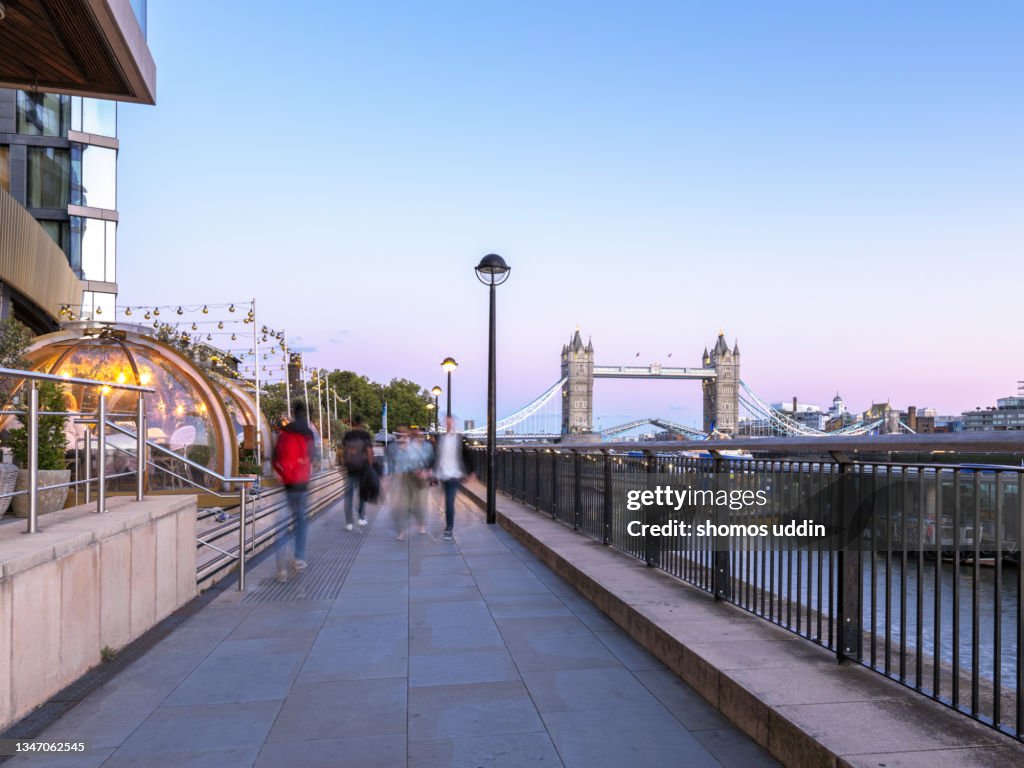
[50, 500]
[8, 478]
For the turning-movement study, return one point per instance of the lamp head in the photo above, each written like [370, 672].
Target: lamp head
[449, 364]
[492, 270]
[436, 391]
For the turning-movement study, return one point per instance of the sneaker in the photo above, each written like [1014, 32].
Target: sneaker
[348, 526]
[282, 576]
[299, 565]
[448, 535]
[362, 521]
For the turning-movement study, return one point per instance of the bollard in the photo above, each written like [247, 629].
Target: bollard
[88, 465]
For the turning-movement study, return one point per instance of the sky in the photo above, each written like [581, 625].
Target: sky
[837, 186]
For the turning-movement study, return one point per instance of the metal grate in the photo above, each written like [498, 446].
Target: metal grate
[330, 552]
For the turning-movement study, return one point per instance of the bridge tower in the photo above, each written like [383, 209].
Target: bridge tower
[578, 390]
[722, 394]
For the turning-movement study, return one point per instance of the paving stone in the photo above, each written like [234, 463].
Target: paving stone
[212, 758]
[735, 753]
[448, 638]
[356, 660]
[203, 727]
[238, 677]
[503, 751]
[342, 709]
[462, 667]
[483, 709]
[604, 688]
[560, 652]
[387, 751]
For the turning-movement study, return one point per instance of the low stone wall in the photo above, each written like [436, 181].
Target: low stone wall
[86, 582]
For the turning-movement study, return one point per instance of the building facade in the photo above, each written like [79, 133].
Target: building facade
[1008, 414]
[722, 395]
[578, 390]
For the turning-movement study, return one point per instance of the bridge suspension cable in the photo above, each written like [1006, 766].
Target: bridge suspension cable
[523, 413]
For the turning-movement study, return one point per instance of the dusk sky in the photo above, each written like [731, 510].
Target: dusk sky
[836, 185]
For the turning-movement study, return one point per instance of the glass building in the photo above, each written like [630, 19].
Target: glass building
[59, 146]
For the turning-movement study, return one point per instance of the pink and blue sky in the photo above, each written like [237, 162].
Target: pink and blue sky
[836, 185]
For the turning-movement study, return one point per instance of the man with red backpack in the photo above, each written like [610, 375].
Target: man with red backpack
[293, 463]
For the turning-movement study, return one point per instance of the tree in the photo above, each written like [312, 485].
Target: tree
[407, 404]
[15, 338]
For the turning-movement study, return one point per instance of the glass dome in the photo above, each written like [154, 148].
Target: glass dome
[241, 408]
[186, 413]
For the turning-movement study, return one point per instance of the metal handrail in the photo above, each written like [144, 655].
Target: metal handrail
[243, 482]
[32, 427]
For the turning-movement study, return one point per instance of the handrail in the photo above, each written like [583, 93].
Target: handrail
[185, 459]
[37, 376]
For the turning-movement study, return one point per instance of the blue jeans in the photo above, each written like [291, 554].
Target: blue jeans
[297, 507]
[355, 479]
[451, 487]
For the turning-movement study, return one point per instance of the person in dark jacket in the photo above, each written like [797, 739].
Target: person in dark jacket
[294, 470]
[357, 454]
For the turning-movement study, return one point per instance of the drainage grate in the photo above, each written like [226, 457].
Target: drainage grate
[330, 552]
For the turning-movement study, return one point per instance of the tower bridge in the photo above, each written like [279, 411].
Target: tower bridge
[729, 406]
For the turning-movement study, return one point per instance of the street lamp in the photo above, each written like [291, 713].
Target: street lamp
[449, 365]
[430, 414]
[491, 271]
[436, 392]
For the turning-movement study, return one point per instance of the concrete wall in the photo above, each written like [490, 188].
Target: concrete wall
[85, 582]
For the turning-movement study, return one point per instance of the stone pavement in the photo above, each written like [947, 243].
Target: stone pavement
[422, 652]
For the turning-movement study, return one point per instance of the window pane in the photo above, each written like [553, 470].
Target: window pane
[95, 177]
[99, 117]
[111, 271]
[98, 306]
[5, 168]
[58, 231]
[49, 176]
[93, 247]
[43, 114]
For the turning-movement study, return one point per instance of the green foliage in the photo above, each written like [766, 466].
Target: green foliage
[15, 338]
[273, 403]
[107, 654]
[407, 404]
[247, 464]
[53, 441]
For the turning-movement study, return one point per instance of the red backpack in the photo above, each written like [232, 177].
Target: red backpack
[291, 458]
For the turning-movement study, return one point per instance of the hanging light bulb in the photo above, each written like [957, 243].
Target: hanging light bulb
[206, 310]
[181, 311]
[148, 315]
[231, 308]
[234, 337]
[220, 324]
[156, 311]
[209, 337]
[156, 323]
[264, 337]
[128, 312]
[99, 310]
[195, 327]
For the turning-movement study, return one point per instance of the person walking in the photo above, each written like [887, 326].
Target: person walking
[357, 454]
[293, 462]
[409, 460]
[450, 469]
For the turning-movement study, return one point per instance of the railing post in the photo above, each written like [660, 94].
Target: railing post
[577, 490]
[652, 544]
[101, 449]
[554, 485]
[721, 567]
[609, 498]
[140, 448]
[537, 456]
[241, 537]
[848, 588]
[33, 458]
[88, 465]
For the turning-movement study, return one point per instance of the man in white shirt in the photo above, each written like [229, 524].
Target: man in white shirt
[450, 469]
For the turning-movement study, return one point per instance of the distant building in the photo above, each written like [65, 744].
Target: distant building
[1008, 414]
[468, 424]
[811, 416]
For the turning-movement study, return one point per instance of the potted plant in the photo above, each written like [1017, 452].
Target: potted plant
[53, 443]
[15, 338]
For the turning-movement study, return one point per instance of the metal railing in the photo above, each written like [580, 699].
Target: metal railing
[33, 415]
[918, 575]
[143, 452]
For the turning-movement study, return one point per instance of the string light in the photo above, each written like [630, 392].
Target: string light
[206, 310]
[128, 312]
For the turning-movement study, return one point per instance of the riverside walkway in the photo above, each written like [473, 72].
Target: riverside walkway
[421, 652]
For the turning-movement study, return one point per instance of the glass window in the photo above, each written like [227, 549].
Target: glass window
[43, 114]
[5, 168]
[59, 231]
[49, 177]
[95, 116]
[97, 306]
[93, 249]
[94, 173]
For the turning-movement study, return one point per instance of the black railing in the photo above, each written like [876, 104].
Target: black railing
[918, 576]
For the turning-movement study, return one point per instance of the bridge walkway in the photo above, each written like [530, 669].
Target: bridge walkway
[423, 652]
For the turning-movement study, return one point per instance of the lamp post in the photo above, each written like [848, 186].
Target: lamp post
[436, 392]
[449, 365]
[430, 414]
[492, 271]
